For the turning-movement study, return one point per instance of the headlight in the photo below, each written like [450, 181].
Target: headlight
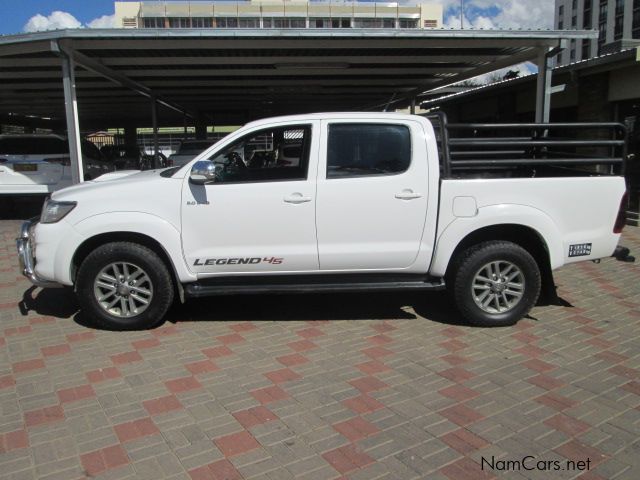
[53, 211]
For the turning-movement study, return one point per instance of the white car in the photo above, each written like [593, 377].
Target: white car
[40, 163]
[373, 202]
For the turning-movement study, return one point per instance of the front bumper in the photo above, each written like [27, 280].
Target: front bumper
[24, 243]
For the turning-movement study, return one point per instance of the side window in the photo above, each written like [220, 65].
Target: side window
[357, 149]
[274, 154]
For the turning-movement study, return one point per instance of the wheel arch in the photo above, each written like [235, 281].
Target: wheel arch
[91, 243]
[525, 236]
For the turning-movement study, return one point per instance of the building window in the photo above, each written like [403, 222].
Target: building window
[179, 22]
[374, 23]
[574, 4]
[410, 23]
[618, 25]
[603, 11]
[560, 25]
[319, 23]
[619, 7]
[427, 24]
[561, 10]
[586, 16]
[153, 22]
[250, 22]
[572, 55]
[226, 22]
[279, 22]
[201, 22]
[586, 47]
[574, 21]
[635, 26]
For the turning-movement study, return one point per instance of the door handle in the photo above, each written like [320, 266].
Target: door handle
[407, 195]
[296, 198]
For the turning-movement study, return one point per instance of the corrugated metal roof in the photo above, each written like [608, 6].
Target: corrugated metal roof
[237, 75]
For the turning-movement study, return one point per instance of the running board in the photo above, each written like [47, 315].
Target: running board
[208, 289]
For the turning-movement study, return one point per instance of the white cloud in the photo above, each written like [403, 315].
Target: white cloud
[105, 21]
[57, 20]
[60, 20]
[500, 14]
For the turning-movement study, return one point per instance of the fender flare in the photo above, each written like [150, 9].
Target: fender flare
[141, 223]
[492, 215]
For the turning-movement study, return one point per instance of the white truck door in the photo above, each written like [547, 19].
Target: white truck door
[372, 194]
[260, 214]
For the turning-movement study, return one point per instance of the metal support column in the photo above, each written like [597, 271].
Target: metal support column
[154, 123]
[73, 124]
[543, 87]
[412, 108]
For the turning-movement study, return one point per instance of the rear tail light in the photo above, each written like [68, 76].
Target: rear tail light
[64, 161]
[621, 219]
[169, 162]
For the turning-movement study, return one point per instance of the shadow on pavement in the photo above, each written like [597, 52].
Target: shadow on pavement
[346, 306]
[434, 306]
[55, 302]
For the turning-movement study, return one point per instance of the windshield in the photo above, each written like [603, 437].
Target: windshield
[33, 146]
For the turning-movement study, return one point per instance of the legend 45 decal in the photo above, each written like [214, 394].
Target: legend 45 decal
[201, 262]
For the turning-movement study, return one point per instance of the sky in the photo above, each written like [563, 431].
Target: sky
[18, 16]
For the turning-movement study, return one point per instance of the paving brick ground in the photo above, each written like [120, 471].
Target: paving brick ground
[323, 387]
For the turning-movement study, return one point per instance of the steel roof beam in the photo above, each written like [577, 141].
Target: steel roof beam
[94, 66]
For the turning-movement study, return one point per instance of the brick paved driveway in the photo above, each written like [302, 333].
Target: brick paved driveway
[319, 387]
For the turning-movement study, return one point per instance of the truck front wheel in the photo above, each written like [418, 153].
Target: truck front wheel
[124, 286]
[496, 283]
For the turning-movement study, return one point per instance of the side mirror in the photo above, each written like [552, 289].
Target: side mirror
[204, 171]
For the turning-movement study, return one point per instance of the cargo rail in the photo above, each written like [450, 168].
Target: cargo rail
[529, 149]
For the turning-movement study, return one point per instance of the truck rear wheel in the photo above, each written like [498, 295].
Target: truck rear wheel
[496, 283]
[124, 286]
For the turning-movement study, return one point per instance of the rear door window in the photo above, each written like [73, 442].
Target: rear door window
[364, 149]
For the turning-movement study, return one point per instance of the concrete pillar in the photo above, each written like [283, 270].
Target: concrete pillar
[130, 136]
[201, 129]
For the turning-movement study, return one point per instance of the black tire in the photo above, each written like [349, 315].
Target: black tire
[468, 266]
[132, 253]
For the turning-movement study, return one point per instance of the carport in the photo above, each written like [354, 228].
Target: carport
[98, 79]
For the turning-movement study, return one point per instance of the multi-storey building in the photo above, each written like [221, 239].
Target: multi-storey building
[618, 22]
[276, 14]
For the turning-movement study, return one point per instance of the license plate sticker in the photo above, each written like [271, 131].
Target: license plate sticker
[580, 250]
[25, 167]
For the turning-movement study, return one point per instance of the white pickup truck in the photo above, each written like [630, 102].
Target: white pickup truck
[374, 201]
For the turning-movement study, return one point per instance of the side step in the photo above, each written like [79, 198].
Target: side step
[235, 286]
